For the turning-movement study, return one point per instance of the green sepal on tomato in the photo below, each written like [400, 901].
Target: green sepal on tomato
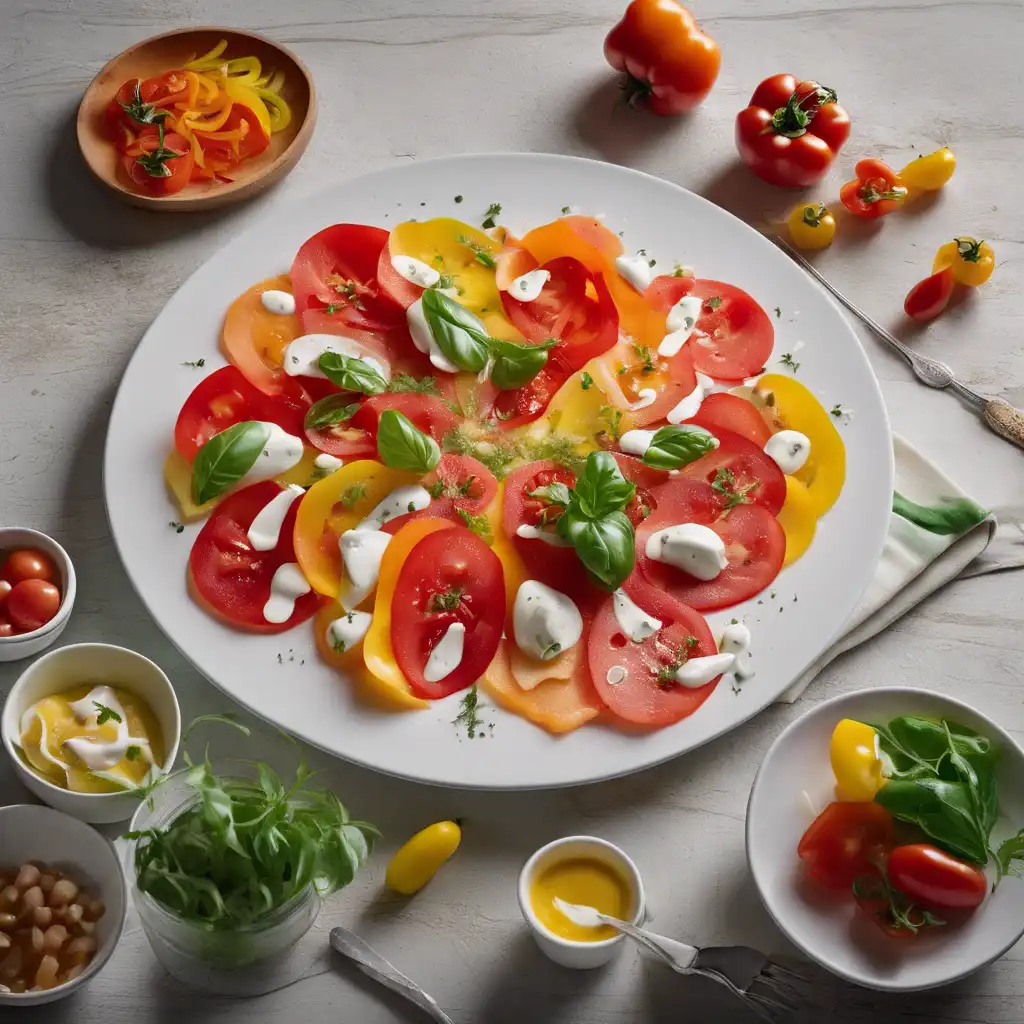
[790, 132]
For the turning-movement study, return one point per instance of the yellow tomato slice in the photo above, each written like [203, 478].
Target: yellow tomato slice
[795, 408]
[336, 504]
[447, 245]
[378, 654]
[255, 339]
[557, 706]
[178, 478]
[511, 564]
[798, 519]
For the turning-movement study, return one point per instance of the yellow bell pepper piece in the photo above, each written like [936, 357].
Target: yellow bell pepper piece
[418, 860]
[856, 762]
[797, 519]
[279, 112]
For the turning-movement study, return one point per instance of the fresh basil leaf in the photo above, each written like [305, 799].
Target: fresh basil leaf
[329, 411]
[352, 374]
[953, 516]
[942, 810]
[675, 446]
[601, 488]
[1008, 854]
[226, 458]
[459, 333]
[402, 445]
[555, 493]
[605, 546]
[514, 364]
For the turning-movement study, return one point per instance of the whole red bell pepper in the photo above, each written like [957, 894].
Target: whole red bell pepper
[791, 131]
[876, 191]
[670, 64]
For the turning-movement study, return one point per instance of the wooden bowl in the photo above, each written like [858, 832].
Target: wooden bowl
[170, 50]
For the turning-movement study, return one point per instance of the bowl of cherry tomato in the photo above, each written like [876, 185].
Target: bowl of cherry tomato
[37, 592]
[884, 834]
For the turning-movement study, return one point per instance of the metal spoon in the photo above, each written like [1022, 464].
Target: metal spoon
[373, 965]
[999, 415]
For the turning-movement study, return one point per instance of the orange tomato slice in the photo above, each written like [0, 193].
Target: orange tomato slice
[255, 339]
[378, 654]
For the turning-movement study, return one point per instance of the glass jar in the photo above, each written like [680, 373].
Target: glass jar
[247, 960]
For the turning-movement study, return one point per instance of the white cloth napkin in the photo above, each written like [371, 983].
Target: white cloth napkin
[915, 563]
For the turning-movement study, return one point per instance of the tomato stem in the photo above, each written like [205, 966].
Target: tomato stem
[792, 119]
[634, 90]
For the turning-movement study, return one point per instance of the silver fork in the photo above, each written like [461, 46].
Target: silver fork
[999, 415]
[767, 988]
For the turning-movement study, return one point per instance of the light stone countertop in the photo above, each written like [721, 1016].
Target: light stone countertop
[81, 277]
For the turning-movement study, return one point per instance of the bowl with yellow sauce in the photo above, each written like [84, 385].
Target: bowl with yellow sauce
[583, 870]
[87, 725]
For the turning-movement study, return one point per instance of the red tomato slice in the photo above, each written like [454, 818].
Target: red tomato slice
[404, 292]
[738, 333]
[734, 414]
[229, 577]
[164, 88]
[456, 482]
[449, 563]
[337, 269]
[936, 878]
[755, 545]
[741, 467]
[586, 326]
[845, 841]
[427, 413]
[343, 441]
[180, 166]
[640, 697]
[225, 398]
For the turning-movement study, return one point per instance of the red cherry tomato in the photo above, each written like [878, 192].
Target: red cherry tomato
[936, 878]
[229, 577]
[876, 191]
[460, 483]
[27, 564]
[6, 626]
[791, 131]
[755, 545]
[31, 604]
[178, 165]
[738, 467]
[450, 577]
[5, 589]
[928, 298]
[225, 398]
[642, 694]
[845, 841]
[736, 415]
[736, 336]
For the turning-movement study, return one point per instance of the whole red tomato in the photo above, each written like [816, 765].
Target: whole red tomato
[935, 877]
[670, 64]
[844, 842]
[791, 131]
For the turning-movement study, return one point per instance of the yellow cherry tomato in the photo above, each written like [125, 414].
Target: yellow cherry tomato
[798, 519]
[856, 763]
[452, 247]
[378, 654]
[787, 404]
[418, 860]
[811, 226]
[972, 261]
[336, 504]
[929, 173]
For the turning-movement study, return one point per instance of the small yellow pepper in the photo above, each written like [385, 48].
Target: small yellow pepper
[931, 172]
[811, 226]
[972, 262]
[418, 860]
[856, 763]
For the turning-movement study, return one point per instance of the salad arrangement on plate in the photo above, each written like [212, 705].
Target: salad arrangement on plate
[528, 462]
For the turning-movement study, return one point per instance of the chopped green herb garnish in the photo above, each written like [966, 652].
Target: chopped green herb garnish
[565, 210]
[458, 199]
[346, 288]
[476, 524]
[404, 382]
[787, 360]
[725, 484]
[713, 303]
[778, 312]
[353, 495]
[836, 410]
[176, 527]
[586, 381]
[494, 210]
[646, 357]
[481, 252]
[445, 601]
[105, 714]
[446, 281]
[132, 753]
[613, 417]
[197, 363]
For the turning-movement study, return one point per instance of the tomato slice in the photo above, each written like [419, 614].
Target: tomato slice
[740, 467]
[225, 398]
[641, 696]
[734, 414]
[457, 482]
[336, 269]
[846, 840]
[427, 413]
[179, 166]
[455, 564]
[229, 577]
[738, 335]
[647, 480]
[755, 545]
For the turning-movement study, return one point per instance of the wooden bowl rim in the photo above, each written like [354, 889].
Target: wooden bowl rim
[192, 200]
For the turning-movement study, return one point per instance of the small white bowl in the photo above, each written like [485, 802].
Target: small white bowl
[76, 665]
[24, 645]
[831, 930]
[567, 952]
[44, 835]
